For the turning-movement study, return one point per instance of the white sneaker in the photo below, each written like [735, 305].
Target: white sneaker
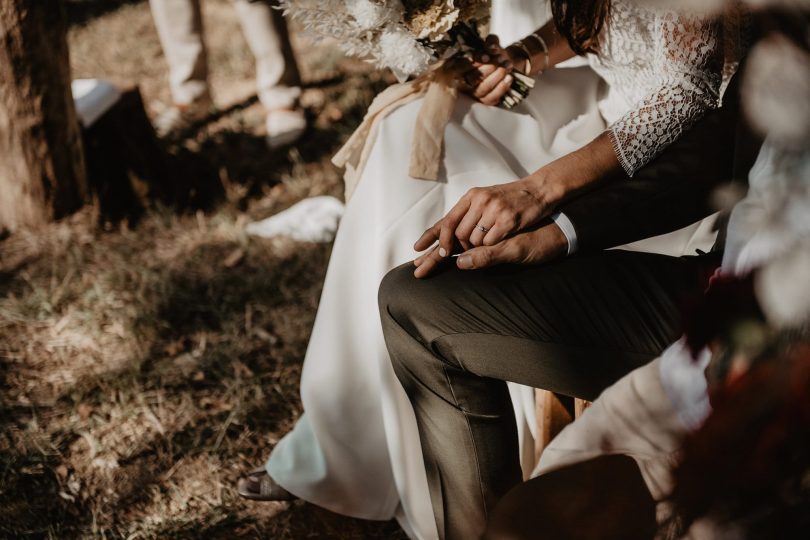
[284, 127]
[179, 118]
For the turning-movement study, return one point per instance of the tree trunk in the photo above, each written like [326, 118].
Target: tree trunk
[42, 175]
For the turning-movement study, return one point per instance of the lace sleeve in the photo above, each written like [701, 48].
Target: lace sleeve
[688, 66]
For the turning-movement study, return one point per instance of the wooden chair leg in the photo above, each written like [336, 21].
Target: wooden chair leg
[554, 412]
[580, 405]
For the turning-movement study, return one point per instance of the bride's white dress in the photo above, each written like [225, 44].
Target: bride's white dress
[356, 449]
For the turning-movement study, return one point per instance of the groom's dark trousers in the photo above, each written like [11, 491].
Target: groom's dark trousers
[574, 326]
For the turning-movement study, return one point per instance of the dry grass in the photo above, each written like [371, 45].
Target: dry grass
[141, 374]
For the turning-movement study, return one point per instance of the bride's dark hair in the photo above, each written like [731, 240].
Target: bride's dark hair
[580, 22]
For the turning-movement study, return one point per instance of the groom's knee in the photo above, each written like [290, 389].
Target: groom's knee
[396, 302]
[403, 299]
[408, 308]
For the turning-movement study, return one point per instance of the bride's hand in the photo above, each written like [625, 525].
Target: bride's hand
[532, 247]
[486, 216]
[491, 75]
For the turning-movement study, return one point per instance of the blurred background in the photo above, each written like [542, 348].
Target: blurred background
[151, 349]
[149, 357]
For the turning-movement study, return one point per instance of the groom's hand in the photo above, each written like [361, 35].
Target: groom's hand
[488, 215]
[532, 247]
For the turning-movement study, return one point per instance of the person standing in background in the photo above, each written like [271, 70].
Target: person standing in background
[180, 28]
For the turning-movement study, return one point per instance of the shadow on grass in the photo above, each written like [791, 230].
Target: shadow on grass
[218, 364]
[82, 11]
[245, 157]
[221, 375]
[291, 521]
[30, 502]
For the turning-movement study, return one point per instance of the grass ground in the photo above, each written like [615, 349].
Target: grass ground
[142, 369]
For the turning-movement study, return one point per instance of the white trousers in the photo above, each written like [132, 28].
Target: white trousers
[180, 28]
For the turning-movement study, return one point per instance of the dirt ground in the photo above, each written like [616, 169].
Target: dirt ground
[143, 368]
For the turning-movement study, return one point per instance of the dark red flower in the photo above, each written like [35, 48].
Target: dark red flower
[749, 464]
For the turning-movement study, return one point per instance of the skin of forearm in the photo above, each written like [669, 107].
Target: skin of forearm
[574, 173]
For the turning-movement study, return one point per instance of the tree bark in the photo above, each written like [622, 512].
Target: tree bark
[42, 173]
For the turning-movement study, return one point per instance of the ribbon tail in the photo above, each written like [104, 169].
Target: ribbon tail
[354, 153]
[428, 136]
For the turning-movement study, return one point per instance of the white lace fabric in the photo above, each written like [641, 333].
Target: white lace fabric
[670, 66]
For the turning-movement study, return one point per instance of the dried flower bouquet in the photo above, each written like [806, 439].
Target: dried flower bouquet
[407, 36]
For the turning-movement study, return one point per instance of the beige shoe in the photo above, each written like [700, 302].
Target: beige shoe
[260, 486]
[179, 118]
[284, 127]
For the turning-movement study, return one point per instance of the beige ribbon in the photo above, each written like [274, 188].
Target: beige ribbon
[427, 145]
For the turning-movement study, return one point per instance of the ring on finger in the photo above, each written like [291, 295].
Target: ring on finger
[482, 228]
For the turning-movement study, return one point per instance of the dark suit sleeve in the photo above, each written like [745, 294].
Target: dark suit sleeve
[669, 193]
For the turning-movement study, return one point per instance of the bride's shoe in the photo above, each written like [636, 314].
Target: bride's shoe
[260, 486]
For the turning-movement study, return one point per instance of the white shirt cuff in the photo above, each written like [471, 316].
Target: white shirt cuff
[567, 229]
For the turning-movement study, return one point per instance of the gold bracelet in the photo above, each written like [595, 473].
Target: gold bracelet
[543, 46]
[522, 46]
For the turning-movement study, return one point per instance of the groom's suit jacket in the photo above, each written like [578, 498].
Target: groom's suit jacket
[675, 189]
